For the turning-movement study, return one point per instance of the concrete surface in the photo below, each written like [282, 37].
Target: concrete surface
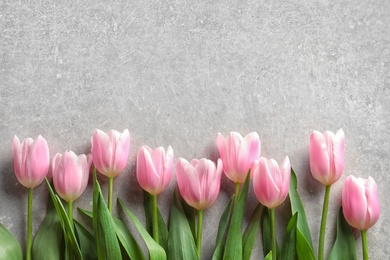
[176, 73]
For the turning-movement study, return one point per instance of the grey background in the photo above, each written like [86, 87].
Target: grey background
[177, 72]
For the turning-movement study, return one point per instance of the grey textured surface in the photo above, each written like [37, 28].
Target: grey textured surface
[176, 73]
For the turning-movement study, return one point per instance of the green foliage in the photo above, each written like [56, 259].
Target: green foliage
[303, 236]
[49, 241]
[181, 243]
[156, 252]
[288, 251]
[9, 245]
[250, 233]
[162, 227]
[104, 226]
[345, 245]
[233, 246]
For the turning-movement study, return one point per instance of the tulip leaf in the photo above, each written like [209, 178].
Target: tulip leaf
[268, 256]
[181, 243]
[49, 240]
[250, 233]
[345, 245]
[104, 226]
[9, 245]
[86, 241]
[304, 242]
[127, 240]
[155, 250]
[289, 251]
[162, 227]
[67, 227]
[266, 233]
[222, 230]
[233, 246]
[190, 214]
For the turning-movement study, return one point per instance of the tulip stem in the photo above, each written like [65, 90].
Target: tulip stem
[364, 244]
[70, 217]
[321, 244]
[199, 233]
[29, 224]
[237, 191]
[110, 186]
[273, 233]
[154, 219]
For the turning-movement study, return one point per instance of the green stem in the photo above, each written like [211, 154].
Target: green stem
[321, 244]
[155, 221]
[237, 191]
[199, 234]
[110, 186]
[273, 233]
[29, 224]
[364, 245]
[70, 217]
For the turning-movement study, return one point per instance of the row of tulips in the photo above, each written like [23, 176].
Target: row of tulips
[199, 184]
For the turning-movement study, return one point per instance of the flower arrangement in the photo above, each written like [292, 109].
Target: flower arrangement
[105, 236]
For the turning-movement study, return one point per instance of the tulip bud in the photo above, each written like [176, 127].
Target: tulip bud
[199, 181]
[154, 169]
[327, 156]
[271, 183]
[360, 202]
[110, 151]
[238, 154]
[70, 174]
[31, 160]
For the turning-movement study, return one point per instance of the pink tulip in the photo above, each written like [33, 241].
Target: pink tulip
[70, 174]
[327, 156]
[270, 182]
[199, 181]
[360, 202]
[110, 151]
[31, 160]
[238, 154]
[154, 169]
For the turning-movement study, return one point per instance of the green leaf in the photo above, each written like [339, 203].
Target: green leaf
[266, 232]
[162, 227]
[289, 251]
[155, 250]
[190, 214]
[9, 245]
[250, 233]
[345, 245]
[104, 226]
[128, 241]
[233, 246]
[222, 230]
[304, 242]
[268, 256]
[86, 241]
[65, 223]
[181, 243]
[49, 241]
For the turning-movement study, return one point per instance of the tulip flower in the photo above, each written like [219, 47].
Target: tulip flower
[31, 164]
[154, 170]
[110, 152]
[199, 182]
[361, 205]
[238, 154]
[271, 185]
[70, 174]
[326, 165]
[31, 160]
[270, 182]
